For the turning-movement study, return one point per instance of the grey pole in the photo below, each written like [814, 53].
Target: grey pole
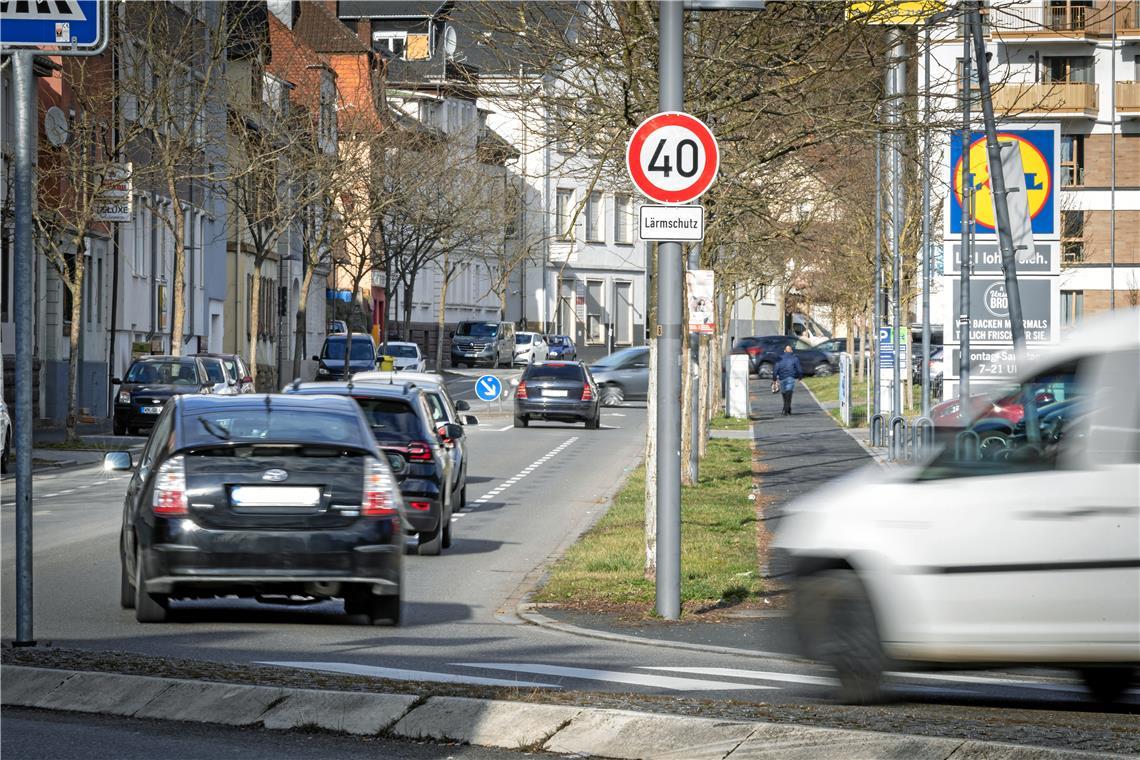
[897, 79]
[26, 135]
[695, 385]
[877, 318]
[670, 98]
[967, 253]
[926, 226]
[1112, 184]
[1001, 213]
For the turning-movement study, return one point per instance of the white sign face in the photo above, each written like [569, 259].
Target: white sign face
[114, 203]
[672, 157]
[671, 223]
[702, 314]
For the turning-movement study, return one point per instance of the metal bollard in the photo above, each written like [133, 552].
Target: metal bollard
[921, 436]
[964, 453]
[878, 428]
[896, 441]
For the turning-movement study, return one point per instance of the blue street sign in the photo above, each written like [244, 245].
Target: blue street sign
[886, 348]
[74, 24]
[488, 387]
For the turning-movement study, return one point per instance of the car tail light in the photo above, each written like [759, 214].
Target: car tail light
[753, 350]
[170, 488]
[587, 394]
[422, 506]
[418, 451]
[378, 490]
[520, 392]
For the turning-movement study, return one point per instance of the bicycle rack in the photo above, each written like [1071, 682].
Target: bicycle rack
[896, 441]
[961, 450]
[921, 436]
[878, 424]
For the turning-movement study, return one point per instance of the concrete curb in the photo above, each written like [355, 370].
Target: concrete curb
[561, 729]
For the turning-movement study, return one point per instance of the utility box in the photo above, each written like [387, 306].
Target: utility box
[738, 385]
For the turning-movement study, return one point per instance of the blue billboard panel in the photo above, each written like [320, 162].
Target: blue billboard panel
[1040, 148]
[51, 23]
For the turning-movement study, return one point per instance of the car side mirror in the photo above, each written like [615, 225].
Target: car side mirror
[462, 406]
[118, 461]
[451, 431]
[470, 419]
[451, 334]
[116, 381]
[316, 358]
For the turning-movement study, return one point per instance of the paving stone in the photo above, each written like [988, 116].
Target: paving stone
[109, 693]
[487, 723]
[27, 687]
[209, 702]
[622, 734]
[344, 711]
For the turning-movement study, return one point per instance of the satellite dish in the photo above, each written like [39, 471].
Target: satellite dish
[56, 128]
[450, 40]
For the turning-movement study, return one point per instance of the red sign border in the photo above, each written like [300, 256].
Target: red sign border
[672, 119]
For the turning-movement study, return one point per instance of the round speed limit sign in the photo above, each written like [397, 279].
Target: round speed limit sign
[672, 157]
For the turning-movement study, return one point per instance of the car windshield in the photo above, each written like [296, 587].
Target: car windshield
[163, 373]
[403, 352]
[617, 358]
[478, 329]
[522, 338]
[554, 372]
[555, 340]
[214, 371]
[389, 416]
[361, 348]
[274, 425]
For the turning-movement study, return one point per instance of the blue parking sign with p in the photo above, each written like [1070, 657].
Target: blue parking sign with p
[488, 388]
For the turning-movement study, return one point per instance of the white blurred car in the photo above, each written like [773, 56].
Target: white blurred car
[1032, 558]
[529, 348]
[407, 356]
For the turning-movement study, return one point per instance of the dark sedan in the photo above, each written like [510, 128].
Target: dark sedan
[149, 383]
[560, 391]
[277, 498]
[401, 420]
[764, 352]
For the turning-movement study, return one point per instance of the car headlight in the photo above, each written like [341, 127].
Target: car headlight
[124, 397]
[322, 371]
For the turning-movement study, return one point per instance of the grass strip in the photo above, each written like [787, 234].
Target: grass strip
[605, 569]
[730, 423]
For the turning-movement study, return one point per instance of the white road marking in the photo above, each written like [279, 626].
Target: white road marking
[616, 676]
[514, 479]
[990, 681]
[615, 414]
[400, 674]
[758, 675]
[504, 429]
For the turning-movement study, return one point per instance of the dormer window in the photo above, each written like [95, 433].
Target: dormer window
[392, 43]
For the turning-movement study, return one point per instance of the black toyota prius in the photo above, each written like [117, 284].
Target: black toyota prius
[277, 498]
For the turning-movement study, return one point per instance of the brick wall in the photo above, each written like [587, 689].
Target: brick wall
[1098, 161]
[1127, 237]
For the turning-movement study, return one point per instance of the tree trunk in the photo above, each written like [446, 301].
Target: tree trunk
[254, 318]
[688, 476]
[651, 466]
[178, 295]
[76, 362]
[706, 394]
[441, 317]
[405, 332]
[302, 322]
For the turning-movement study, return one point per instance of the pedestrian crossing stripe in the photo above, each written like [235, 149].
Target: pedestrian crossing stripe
[41, 10]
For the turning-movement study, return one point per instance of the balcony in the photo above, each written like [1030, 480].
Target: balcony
[1065, 23]
[1128, 99]
[1019, 100]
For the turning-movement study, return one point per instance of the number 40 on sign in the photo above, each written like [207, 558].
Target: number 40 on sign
[672, 158]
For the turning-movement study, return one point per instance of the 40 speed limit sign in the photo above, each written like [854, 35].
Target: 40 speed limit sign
[672, 157]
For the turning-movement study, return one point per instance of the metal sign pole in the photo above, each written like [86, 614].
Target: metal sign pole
[926, 226]
[26, 124]
[670, 98]
[877, 318]
[897, 80]
[967, 261]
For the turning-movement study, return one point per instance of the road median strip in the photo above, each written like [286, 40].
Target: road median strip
[559, 729]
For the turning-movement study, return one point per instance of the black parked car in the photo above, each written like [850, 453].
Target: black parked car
[361, 357]
[236, 367]
[764, 352]
[561, 391]
[269, 497]
[401, 421]
[149, 383]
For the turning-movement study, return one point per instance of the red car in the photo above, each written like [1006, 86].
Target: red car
[982, 405]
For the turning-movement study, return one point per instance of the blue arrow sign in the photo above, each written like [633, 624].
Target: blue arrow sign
[488, 387]
[47, 23]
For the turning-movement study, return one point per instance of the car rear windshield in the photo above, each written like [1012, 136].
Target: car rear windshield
[554, 372]
[163, 373]
[390, 416]
[214, 371]
[361, 348]
[478, 329]
[231, 365]
[274, 425]
[522, 338]
[403, 352]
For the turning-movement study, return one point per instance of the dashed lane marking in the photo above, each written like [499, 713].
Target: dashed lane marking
[514, 479]
[616, 676]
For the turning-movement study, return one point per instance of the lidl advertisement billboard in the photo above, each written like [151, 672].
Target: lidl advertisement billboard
[1040, 157]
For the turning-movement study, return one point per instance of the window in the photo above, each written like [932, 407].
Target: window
[623, 313]
[392, 43]
[623, 218]
[1068, 68]
[594, 206]
[1072, 307]
[1066, 15]
[1072, 237]
[1072, 160]
[595, 298]
[563, 214]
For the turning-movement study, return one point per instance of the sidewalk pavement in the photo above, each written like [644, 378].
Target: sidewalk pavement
[796, 455]
[529, 726]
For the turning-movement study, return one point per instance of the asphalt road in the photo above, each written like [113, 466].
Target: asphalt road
[534, 490]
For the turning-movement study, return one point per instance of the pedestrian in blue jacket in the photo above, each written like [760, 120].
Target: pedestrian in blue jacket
[788, 371]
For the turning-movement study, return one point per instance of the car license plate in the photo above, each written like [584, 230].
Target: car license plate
[152, 410]
[275, 496]
[554, 393]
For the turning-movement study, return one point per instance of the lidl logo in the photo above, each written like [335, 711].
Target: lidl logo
[1038, 158]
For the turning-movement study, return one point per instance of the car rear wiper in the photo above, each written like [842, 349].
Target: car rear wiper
[215, 429]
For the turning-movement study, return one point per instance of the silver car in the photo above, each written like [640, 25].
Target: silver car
[623, 375]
